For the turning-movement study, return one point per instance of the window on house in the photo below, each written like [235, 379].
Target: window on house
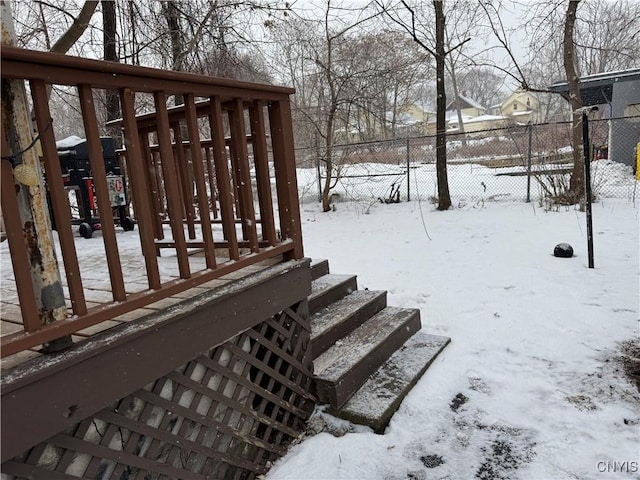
[515, 106]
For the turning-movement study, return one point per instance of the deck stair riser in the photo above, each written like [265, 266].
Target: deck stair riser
[329, 289]
[367, 355]
[377, 400]
[336, 321]
[346, 366]
[319, 267]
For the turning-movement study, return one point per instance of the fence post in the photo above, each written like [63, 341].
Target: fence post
[408, 172]
[530, 130]
[587, 182]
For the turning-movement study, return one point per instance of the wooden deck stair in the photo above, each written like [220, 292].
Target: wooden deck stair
[367, 355]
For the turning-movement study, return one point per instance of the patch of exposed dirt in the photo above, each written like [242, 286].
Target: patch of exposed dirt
[458, 401]
[502, 459]
[630, 358]
[431, 461]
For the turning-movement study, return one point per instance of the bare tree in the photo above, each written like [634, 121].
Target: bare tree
[462, 24]
[607, 36]
[438, 49]
[576, 185]
[481, 84]
[388, 65]
[571, 39]
[326, 73]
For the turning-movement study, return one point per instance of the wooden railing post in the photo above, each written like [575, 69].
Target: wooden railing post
[222, 176]
[284, 162]
[240, 163]
[141, 205]
[261, 161]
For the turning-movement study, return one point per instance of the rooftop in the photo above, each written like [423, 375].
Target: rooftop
[597, 89]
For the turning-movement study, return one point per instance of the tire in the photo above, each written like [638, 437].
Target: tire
[85, 230]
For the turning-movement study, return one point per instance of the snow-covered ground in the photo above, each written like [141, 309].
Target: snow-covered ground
[532, 385]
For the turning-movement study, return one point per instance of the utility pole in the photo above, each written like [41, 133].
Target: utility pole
[20, 149]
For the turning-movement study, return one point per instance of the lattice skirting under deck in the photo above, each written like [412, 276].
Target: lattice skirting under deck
[226, 414]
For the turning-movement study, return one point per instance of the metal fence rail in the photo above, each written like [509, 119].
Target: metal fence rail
[180, 172]
[521, 163]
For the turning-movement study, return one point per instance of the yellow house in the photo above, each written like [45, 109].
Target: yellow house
[418, 113]
[468, 107]
[522, 107]
[413, 117]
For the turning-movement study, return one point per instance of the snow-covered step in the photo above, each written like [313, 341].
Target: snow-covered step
[319, 267]
[344, 367]
[377, 400]
[336, 321]
[330, 288]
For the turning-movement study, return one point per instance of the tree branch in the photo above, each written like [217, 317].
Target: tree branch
[411, 31]
[456, 47]
[76, 29]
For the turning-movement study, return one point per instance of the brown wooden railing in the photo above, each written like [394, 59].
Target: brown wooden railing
[189, 167]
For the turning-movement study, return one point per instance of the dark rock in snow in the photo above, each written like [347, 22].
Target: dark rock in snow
[563, 250]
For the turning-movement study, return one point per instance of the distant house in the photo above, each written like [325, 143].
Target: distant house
[619, 94]
[407, 120]
[467, 106]
[478, 124]
[495, 109]
[413, 118]
[468, 109]
[419, 114]
[522, 107]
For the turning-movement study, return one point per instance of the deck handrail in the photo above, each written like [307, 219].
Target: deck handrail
[196, 179]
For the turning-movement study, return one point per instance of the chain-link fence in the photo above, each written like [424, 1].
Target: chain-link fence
[519, 163]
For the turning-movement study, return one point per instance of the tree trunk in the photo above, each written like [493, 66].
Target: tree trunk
[576, 184]
[111, 54]
[444, 198]
[326, 189]
[454, 84]
[172, 16]
[328, 158]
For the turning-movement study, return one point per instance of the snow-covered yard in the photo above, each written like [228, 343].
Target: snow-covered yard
[532, 385]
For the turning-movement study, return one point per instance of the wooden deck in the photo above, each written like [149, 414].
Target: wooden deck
[262, 305]
[95, 276]
[202, 308]
[209, 173]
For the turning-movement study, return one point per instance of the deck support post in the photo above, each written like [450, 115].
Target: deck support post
[19, 148]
